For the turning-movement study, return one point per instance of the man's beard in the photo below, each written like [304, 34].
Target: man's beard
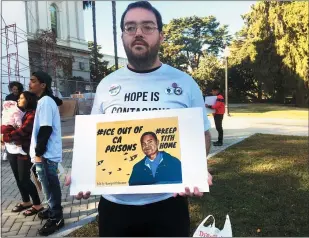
[145, 60]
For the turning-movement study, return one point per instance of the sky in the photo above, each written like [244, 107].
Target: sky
[19, 18]
[227, 13]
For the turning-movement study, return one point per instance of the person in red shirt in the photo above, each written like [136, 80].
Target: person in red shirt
[219, 108]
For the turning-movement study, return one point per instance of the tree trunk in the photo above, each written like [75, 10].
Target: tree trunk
[260, 92]
[279, 96]
[115, 33]
[300, 93]
[95, 39]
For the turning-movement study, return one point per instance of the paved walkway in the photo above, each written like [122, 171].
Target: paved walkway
[16, 225]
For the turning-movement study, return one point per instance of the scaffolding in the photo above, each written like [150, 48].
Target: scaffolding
[11, 52]
[11, 37]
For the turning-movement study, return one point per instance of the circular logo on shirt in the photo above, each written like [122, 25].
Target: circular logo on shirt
[114, 89]
[168, 91]
[174, 85]
[178, 91]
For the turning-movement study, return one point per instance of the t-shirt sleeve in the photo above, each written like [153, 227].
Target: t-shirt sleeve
[197, 100]
[45, 113]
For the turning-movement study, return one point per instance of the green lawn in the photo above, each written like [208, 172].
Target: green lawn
[262, 183]
[269, 111]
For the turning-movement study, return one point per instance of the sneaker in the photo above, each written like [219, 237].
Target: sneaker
[51, 226]
[44, 214]
[217, 143]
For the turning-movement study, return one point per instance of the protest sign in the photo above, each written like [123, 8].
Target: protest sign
[145, 152]
[210, 100]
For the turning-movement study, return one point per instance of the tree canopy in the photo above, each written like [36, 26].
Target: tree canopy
[188, 39]
[103, 70]
[274, 42]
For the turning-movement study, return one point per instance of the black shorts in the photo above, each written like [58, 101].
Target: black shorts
[165, 218]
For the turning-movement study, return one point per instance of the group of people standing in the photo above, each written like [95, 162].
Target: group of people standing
[39, 138]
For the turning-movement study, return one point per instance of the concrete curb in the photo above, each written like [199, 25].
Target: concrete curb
[74, 226]
[229, 145]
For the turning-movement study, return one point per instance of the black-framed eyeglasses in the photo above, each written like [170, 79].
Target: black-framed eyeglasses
[146, 28]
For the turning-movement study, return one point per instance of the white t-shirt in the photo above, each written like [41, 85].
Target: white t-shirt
[47, 114]
[162, 89]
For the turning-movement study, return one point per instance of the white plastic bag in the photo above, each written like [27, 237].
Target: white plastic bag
[60, 169]
[212, 230]
[35, 179]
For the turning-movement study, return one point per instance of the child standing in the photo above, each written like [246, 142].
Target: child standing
[219, 108]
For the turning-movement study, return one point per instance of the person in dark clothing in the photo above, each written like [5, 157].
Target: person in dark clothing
[46, 150]
[219, 108]
[16, 89]
[21, 164]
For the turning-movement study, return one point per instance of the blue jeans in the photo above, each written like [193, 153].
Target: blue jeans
[47, 174]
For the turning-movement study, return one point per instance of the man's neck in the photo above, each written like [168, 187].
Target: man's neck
[40, 94]
[156, 64]
[153, 156]
[143, 71]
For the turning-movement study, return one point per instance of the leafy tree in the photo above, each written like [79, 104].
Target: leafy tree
[209, 72]
[188, 38]
[243, 86]
[289, 21]
[103, 70]
[274, 43]
[45, 55]
[258, 47]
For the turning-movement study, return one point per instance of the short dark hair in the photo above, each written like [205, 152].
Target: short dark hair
[149, 133]
[145, 5]
[32, 100]
[16, 84]
[217, 88]
[44, 77]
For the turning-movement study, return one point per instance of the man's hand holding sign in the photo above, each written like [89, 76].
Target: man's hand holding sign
[196, 192]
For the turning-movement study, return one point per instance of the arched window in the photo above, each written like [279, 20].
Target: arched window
[54, 19]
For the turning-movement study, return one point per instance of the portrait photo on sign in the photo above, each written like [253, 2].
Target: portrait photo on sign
[146, 152]
[138, 152]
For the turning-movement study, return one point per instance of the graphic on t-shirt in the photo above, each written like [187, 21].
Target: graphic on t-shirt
[168, 91]
[138, 152]
[178, 91]
[114, 89]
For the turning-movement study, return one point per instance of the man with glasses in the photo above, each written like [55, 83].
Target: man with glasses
[145, 84]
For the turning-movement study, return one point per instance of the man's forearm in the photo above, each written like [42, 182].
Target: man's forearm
[42, 140]
[207, 141]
